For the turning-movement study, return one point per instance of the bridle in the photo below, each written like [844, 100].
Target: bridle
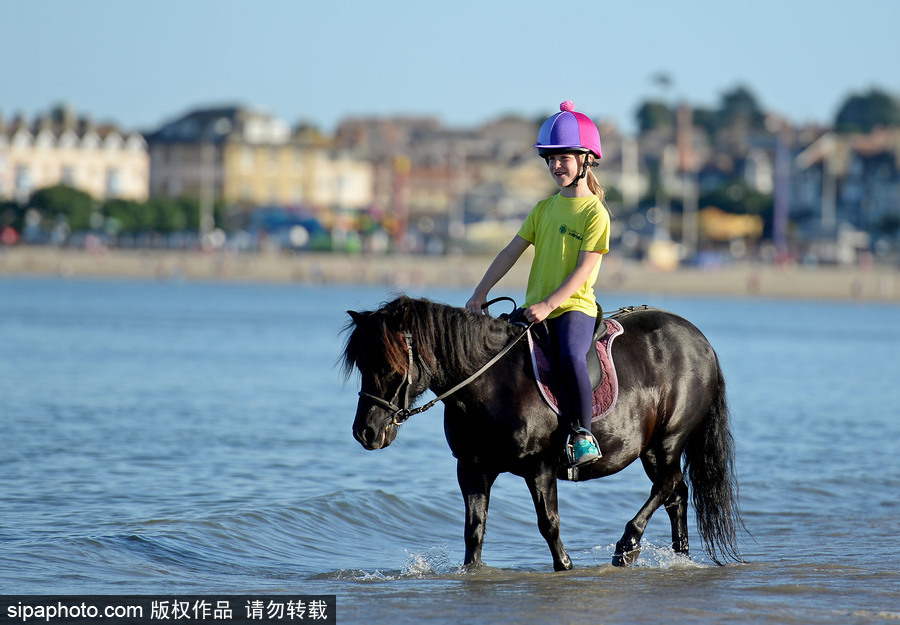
[401, 413]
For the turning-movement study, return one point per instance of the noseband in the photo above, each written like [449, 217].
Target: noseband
[400, 413]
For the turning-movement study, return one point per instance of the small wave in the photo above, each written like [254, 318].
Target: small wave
[356, 575]
[888, 615]
[434, 561]
[438, 563]
[653, 556]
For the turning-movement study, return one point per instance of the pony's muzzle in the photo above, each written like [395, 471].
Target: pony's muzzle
[368, 438]
[373, 438]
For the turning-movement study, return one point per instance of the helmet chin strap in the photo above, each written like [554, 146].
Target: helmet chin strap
[584, 170]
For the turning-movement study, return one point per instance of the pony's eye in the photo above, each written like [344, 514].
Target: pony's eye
[387, 378]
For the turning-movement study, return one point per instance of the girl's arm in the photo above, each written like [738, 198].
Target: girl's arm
[498, 268]
[586, 263]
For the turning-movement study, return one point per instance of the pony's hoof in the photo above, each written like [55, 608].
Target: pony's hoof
[564, 564]
[626, 558]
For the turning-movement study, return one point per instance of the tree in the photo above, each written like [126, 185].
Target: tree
[612, 194]
[889, 224]
[170, 216]
[162, 215]
[123, 215]
[739, 199]
[708, 120]
[63, 201]
[11, 215]
[862, 113]
[740, 106]
[190, 209]
[654, 114]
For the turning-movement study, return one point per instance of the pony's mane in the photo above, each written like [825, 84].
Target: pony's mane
[457, 339]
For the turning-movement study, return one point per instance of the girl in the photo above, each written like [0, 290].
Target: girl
[570, 233]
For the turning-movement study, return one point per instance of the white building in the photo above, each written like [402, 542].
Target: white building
[60, 149]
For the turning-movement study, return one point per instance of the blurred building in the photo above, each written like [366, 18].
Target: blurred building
[241, 156]
[409, 183]
[62, 148]
[852, 179]
[435, 181]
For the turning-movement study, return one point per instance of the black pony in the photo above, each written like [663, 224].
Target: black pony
[671, 404]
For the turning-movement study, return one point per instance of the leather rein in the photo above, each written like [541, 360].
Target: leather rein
[401, 413]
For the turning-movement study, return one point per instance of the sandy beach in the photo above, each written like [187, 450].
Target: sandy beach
[875, 283]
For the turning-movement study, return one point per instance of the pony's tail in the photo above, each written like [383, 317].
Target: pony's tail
[709, 466]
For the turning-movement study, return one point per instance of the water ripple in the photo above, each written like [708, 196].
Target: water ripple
[196, 439]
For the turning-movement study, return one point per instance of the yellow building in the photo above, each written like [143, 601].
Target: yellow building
[61, 149]
[246, 157]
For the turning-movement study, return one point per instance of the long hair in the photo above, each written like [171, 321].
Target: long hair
[595, 187]
[594, 184]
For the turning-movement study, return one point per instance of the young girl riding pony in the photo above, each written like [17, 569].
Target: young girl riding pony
[570, 233]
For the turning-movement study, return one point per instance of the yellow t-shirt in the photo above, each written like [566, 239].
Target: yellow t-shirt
[560, 228]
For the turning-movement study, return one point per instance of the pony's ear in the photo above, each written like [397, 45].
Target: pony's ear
[357, 317]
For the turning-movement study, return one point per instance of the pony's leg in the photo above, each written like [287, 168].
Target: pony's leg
[676, 507]
[666, 476]
[544, 492]
[475, 484]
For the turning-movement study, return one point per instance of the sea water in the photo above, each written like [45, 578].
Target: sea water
[194, 438]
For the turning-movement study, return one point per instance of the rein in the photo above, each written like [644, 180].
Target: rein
[401, 413]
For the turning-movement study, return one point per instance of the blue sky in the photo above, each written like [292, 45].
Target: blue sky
[140, 64]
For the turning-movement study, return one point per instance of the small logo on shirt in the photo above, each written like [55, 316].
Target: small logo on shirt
[564, 230]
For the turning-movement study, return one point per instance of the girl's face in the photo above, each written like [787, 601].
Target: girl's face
[564, 168]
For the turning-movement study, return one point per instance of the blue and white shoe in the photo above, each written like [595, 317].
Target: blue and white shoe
[585, 451]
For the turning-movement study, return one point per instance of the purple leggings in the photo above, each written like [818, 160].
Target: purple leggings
[572, 333]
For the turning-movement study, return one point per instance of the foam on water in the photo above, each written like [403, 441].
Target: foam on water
[653, 556]
[434, 561]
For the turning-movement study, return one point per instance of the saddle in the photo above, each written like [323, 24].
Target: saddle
[601, 368]
[540, 335]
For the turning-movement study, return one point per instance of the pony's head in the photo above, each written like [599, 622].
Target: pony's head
[391, 349]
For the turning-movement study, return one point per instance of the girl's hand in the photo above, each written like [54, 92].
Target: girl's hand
[474, 304]
[538, 312]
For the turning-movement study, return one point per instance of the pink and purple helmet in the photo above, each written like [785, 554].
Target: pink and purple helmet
[568, 131]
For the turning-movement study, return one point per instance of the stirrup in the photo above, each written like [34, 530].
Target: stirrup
[570, 445]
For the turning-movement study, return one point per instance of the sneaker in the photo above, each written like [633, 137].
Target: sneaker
[585, 451]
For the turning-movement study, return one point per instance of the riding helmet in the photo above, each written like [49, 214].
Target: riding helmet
[568, 131]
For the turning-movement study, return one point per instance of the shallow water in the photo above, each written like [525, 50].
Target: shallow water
[195, 438]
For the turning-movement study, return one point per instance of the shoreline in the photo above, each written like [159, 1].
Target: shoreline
[869, 284]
